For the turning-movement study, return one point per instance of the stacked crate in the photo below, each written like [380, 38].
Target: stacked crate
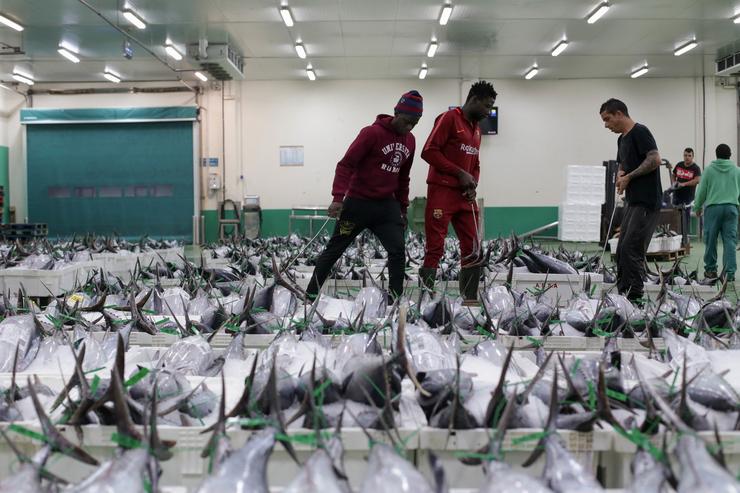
[23, 232]
[579, 215]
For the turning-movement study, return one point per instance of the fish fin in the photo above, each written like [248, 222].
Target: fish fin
[401, 350]
[438, 472]
[719, 456]
[275, 410]
[670, 416]
[157, 448]
[498, 394]
[55, 439]
[124, 424]
[603, 410]
[551, 426]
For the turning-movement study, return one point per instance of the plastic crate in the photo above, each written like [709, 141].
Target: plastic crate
[700, 291]
[618, 473]
[560, 287]
[44, 283]
[585, 447]
[187, 469]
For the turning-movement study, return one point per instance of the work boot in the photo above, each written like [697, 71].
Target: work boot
[427, 277]
[469, 278]
[710, 278]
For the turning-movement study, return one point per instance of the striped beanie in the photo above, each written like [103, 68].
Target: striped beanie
[410, 103]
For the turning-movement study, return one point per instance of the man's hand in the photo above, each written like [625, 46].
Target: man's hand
[469, 194]
[335, 209]
[679, 184]
[466, 180]
[622, 182]
[698, 212]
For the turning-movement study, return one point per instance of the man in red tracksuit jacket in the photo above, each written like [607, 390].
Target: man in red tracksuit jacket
[371, 191]
[452, 153]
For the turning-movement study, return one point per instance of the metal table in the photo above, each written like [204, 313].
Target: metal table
[308, 213]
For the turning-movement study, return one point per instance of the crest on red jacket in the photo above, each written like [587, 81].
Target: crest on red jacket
[437, 213]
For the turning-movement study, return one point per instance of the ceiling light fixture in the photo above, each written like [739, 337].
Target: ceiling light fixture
[10, 23]
[559, 48]
[735, 19]
[531, 72]
[310, 72]
[300, 50]
[201, 76]
[112, 76]
[68, 54]
[685, 48]
[172, 51]
[445, 13]
[286, 15]
[432, 50]
[598, 12]
[134, 18]
[423, 71]
[639, 72]
[23, 77]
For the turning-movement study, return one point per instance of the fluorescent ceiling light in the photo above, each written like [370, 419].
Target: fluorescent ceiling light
[432, 49]
[301, 50]
[134, 18]
[311, 74]
[201, 76]
[10, 23]
[598, 12]
[112, 76]
[172, 51]
[531, 72]
[286, 15]
[685, 48]
[22, 77]
[423, 72]
[68, 54]
[639, 72]
[444, 15]
[559, 48]
[735, 19]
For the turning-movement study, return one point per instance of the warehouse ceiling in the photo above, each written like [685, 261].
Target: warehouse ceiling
[366, 39]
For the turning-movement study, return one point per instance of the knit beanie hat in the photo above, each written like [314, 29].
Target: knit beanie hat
[410, 103]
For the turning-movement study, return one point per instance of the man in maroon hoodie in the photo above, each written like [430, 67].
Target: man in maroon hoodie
[452, 153]
[371, 191]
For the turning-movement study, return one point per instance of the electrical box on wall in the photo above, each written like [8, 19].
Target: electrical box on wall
[214, 181]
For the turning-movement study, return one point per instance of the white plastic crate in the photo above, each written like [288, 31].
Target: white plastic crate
[559, 287]
[187, 469]
[46, 282]
[446, 445]
[564, 343]
[618, 473]
[700, 291]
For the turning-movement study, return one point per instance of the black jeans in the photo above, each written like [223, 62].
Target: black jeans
[383, 218]
[638, 226]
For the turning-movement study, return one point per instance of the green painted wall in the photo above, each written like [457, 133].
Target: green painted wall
[499, 221]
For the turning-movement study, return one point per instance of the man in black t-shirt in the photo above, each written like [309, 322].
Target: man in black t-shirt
[639, 177]
[685, 178]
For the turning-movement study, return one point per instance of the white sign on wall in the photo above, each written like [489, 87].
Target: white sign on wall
[291, 155]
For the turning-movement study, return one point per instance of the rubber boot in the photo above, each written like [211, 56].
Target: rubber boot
[427, 276]
[469, 278]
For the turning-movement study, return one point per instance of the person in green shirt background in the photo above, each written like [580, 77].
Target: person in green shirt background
[718, 193]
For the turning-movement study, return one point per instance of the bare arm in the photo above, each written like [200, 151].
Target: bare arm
[650, 164]
[691, 183]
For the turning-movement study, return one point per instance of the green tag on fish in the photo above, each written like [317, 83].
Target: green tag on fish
[535, 342]
[29, 433]
[591, 396]
[576, 365]
[94, 385]
[125, 441]
[616, 395]
[136, 377]
[163, 321]
[529, 438]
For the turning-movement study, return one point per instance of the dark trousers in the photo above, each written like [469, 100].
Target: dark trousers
[685, 222]
[383, 218]
[638, 226]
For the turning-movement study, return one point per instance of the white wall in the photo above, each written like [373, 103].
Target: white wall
[543, 127]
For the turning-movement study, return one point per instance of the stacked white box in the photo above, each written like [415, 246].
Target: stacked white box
[579, 217]
[579, 222]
